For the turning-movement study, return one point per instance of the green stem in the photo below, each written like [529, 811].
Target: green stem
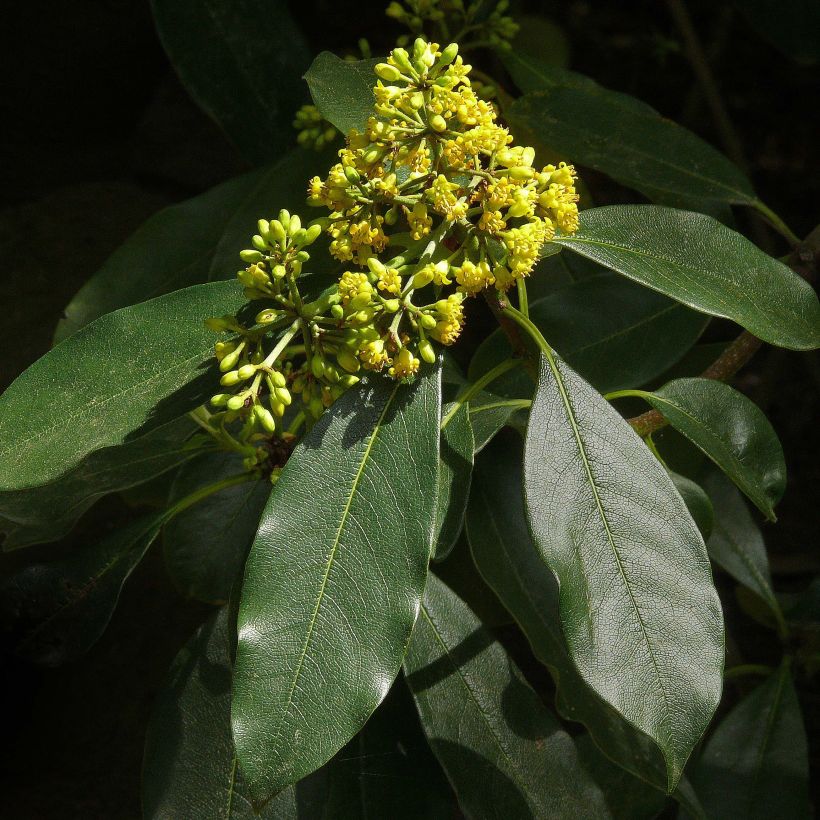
[203, 492]
[523, 300]
[477, 386]
[282, 343]
[622, 394]
[776, 222]
[532, 331]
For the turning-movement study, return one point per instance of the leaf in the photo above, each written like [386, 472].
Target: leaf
[47, 513]
[490, 413]
[640, 615]
[732, 431]
[343, 90]
[790, 25]
[755, 765]
[206, 544]
[454, 472]
[118, 378]
[620, 136]
[503, 752]
[736, 543]
[189, 766]
[614, 333]
[193, 242]
[56, 611]
[508, 561]
[242, 62]
[334, 579]
[697, 502]
[700, 262]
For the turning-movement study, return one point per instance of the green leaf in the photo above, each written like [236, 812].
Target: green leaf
[732, 431]
[697, 502]
[614, 333]
[334, 579]
[638, 609]
[124, 374]
[503, 752]
[56, 611]
[620, 136]
[454, 472]
[510, 563]
[736, 543]
[702, 263]
[207, 543]
[343, 90]
[193, 242]
[47, 513]
[756, 765]
[490, 413]
[242, 62]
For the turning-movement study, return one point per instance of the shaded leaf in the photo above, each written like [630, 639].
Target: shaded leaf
[697, 502]
[638, 609]
[343, 90]
[789, 25]
[490, 413]
[732, 431]
[120, 377]
[504, 753]
[700, 262]
[334, 579]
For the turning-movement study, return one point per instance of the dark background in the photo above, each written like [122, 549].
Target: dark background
[98, 134]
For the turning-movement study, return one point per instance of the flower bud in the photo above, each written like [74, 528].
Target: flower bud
[392, 305]
[229, 360]
[278, 271]
[265, 418]
[278, 408]
[387, 72]
[236, 403]
[265, 317]
[427, 321]
[277, 232]
[317, 366]
[264, 227]
[423, 278]
[246, 372]
[278, 379]
[250, 256]
[337, 312]
[298, 238]
[349, 381]
[426, 351]
[348, 361]
[312, 233]
[438, 123]
[401, 58]
[295, 225]
[283, 394]
[351, 174]
[220, 399]
[259, 243]
[448, 54]
[284, 218]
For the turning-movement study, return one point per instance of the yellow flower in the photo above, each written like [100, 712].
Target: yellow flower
[405, 364]
[473, 278]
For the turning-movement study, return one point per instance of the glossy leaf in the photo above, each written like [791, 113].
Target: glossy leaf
[193, 242]
[334, 579]
[700, 262]
[455, 470]
[736, 543]
[206, 544]
[756, 765]
[242, 62]
[638, 609]
[732, 431]
[343, 90]
[47, 513]
[56, 611]
[509, 562]
[121, 376]
[504, 753]
[614, 333]
[620, 135]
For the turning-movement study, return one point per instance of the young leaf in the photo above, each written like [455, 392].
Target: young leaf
[614, 333]
[702, 263]
[620, 135]
[193, 242]
[121, 376]
[736, 543]
[504, 753]
[206, 544]
[47, 513]
[455, 470]
[242, 63]
[511, 565]
[490, 413]
[56, 611]
[343, 90]
[638, 609]
[732, 431]
[697, 502]
[756, 765]
[331, 594]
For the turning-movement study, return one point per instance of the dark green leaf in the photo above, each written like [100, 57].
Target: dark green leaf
[736, 543]
[243, 63]
[334, 579]
[504, 753]
[614, 333]
[56, 611]
[206, 544]
[343, 90]
[702, 263]
[755, 765]
[196, 241]
[541, 37]
[509, 562]
[121, 376]
[732, 431]
[697, 502]
[47, 513]
[620, 136]
[454, 472]
[638, 609]
[490, 413]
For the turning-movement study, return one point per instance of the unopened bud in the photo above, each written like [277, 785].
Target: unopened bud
[426, 351]
[423, 278]
[283, 394]
[348, 361]
[317, 366]
[392, 305]
[229, 360]
[277, 232]
[236, 403]
[387, 72]
[312, 234]
[427, 321]
[295, 225]
[250, 256]
[265, 418]
[246, 371]
[438, 123]
[220, 399]
[259, 243]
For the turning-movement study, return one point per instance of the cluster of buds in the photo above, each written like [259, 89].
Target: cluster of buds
[431, 205]
[314, 131]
